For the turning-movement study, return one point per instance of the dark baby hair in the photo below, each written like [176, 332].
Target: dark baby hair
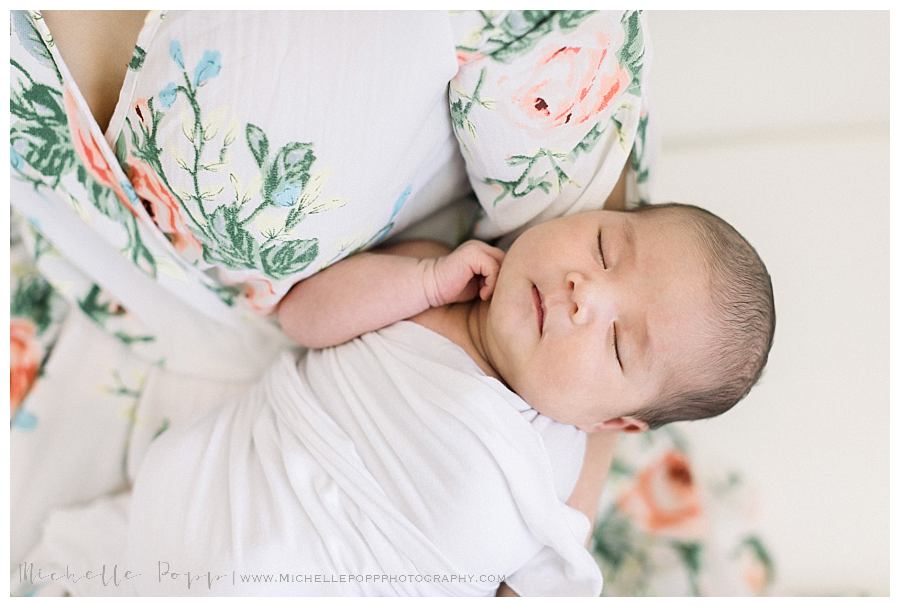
[744, 324]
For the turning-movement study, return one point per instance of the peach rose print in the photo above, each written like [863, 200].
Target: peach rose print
[89, 152]
[162, 206]
[464, 57]
[664, 499]
[569, 85]
[260, 294]
[25, 354]
[754, 566]
[754, 573]
[142, 109]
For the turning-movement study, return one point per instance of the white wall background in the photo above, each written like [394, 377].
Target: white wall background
[778, 122]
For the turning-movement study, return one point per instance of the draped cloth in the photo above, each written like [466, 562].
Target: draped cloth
[389, 465]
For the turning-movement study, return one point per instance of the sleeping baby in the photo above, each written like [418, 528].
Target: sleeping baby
[427, 441]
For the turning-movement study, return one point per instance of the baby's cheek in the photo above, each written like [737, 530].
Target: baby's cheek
[561, 389]
[539, 388]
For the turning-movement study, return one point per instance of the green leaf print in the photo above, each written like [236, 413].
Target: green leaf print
[518, 23]
[569, 20]
[506, 34]
[32, 299]
[529, 180]
[40, 137]
[103, 311]
[620, 468]
[226, 230]
[31, 40]
[756, 546]
[227, 293]
[101, 196]
[639, 151]
[690, 554]
[132, 339]
[522, 30]
[588, 142]
[121, 388]
[234, 246]
[288, 175]
[105, 201]
[612, 538]
[258, 143]
[37, 101]
[621, 551]
[162, 428]
[524, 42]
[137, 58]
[121, 149]
[459, 111]
[280, 261]
[631, 55]
[97, 310]
[40, 133]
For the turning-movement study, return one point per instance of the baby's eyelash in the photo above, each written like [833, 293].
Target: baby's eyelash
[616, 345]
[600, 247]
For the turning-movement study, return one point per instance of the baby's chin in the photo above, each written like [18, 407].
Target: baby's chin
[560, 409]
[560, 414]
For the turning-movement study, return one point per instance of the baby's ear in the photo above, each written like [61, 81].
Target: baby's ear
[621, 424]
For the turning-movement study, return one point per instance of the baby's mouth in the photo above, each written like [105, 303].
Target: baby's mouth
[539, 306]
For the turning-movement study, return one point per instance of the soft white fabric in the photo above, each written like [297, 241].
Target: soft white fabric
[391, 454]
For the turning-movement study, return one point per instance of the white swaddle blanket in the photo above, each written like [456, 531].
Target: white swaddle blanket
[389, 465]
[391, 455]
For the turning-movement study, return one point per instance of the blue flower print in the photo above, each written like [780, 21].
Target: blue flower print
[129, 191]
[398, 204]
[286, 196]
[208, 67]
[401, 200]
[14, 159]
[23, 420]
[167, 95]
[175, 52]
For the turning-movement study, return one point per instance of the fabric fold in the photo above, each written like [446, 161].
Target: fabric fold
[388, 457]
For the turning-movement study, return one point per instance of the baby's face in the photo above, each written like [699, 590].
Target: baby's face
[586, 337]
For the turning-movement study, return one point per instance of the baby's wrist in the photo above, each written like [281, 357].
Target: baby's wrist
[430, 287]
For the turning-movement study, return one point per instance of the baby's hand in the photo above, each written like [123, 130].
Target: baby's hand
[455, 277]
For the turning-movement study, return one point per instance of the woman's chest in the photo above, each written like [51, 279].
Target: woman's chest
[263, 145]
[97, 47]
[286, 141]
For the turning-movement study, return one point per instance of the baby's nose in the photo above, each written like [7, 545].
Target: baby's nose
[572, 280]
[590, 300]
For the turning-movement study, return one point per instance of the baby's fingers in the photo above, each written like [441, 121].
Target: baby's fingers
[494, 252]
[481, 247]
[490, 269]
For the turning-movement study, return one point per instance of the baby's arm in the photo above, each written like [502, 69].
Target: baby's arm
[598, 456]
[371, 290]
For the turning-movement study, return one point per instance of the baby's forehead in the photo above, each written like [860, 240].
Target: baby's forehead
[672, 221]
[686, 332]
[677, 227]
[686, 371]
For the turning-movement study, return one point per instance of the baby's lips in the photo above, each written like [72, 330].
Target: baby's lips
[540, 309]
